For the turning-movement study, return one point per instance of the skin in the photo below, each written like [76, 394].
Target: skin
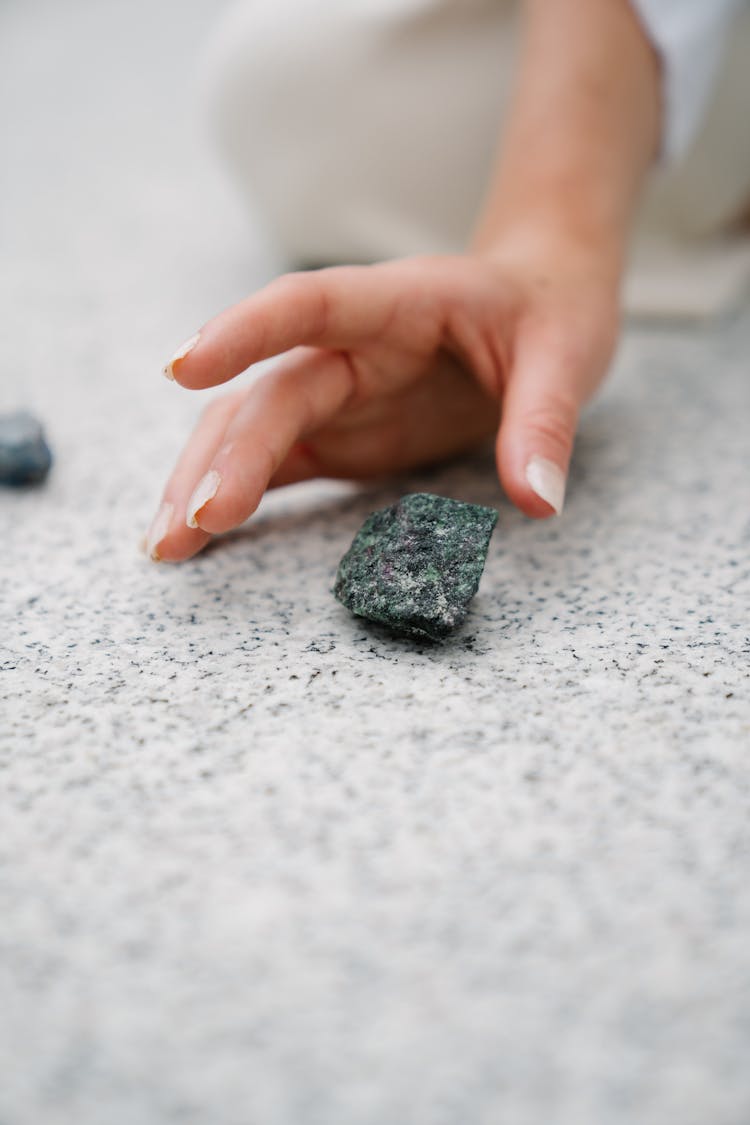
[408, 362]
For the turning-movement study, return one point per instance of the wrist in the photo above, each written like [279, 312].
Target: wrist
[578, 140]
[554, 241]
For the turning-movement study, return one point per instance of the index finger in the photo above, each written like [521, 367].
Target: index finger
[329, 308]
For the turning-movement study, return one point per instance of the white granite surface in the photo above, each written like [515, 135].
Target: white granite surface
[261, 865]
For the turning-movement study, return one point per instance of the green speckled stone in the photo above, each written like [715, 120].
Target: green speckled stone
[416, 565]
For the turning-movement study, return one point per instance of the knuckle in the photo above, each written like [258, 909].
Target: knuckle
[288, 284]
[554, 422]
[308, 291]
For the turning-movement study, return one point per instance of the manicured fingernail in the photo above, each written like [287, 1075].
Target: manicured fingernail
[181, 352]
[548, 481]
[158, 530]
[206, 489]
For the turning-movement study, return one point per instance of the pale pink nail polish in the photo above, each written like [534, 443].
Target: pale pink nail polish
[205, 490]
[548, 481]
[158, 530]
[182, 351]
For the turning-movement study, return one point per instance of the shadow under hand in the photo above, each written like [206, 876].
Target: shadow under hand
[298, 509]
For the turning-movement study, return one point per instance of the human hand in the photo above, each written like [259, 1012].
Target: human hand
[388, 367]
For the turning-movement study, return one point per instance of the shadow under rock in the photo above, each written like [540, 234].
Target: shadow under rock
[382, 642]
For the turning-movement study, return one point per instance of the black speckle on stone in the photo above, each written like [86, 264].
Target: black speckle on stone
[415, 566]
[25, 457]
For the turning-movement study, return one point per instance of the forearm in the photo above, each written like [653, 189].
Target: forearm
[582, 130]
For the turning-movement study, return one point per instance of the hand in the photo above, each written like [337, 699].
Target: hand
[388, 367]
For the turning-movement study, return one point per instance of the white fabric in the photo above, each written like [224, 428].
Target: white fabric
[362, 129]
[366, 129]
[704, 184]
[689, 36]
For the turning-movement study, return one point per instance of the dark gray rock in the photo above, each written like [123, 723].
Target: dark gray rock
[25, 457]
[416, 565]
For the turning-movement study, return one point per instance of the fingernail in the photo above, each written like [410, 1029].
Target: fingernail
[181, 352]
[158, 529]
[548, 481]
[206, 489]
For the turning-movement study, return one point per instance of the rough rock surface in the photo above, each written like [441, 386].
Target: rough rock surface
[416, 565]
[25, 457]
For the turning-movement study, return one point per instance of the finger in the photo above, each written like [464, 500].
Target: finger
[302, 393]
[546, 386]
[329, 308]
[169, 539]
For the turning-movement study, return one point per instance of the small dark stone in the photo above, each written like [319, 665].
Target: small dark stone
[25, 457]
[416, 565]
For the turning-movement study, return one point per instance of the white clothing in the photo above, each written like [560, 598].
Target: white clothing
[690, 36]
[704, 180]
[366, 129]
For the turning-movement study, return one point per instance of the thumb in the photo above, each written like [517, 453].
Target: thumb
[546, 386]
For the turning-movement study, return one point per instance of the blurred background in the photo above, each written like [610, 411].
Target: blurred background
[118, 232]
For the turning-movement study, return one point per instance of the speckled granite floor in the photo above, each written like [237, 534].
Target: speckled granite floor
[259, 865]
